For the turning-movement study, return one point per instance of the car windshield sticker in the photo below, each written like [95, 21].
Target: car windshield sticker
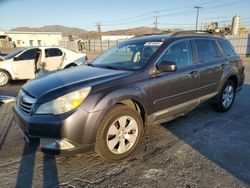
[153, 43]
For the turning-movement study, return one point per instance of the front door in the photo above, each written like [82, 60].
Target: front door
[173, 92]
[24, 64]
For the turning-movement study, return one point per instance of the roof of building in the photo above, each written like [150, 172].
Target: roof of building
[32, 32]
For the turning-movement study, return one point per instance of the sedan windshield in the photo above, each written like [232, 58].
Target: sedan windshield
[130, 55]
[11, 55]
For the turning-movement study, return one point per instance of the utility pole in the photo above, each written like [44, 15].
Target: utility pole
[156, 21]
[98, 28]
[197, 16]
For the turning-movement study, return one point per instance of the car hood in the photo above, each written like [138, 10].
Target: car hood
[71, 79]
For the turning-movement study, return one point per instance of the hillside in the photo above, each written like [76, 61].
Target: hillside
[53, 28]
[81, 32]
[133, 31]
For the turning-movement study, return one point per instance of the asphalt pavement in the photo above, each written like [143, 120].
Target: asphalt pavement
[202, 149]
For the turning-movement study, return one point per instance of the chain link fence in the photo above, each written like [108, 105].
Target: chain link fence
[241, 44]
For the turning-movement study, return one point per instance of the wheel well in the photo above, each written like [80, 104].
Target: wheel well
[234, 79]
[71, 64]
[134, 105]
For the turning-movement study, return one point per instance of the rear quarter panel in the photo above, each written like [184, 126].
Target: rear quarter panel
[71, 56]
[231, 68]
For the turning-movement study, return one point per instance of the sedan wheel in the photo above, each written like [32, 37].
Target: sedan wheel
[4, 78]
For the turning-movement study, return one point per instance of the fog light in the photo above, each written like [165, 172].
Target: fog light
[55, 144]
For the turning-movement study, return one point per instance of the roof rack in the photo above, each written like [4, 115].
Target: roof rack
[196, 32]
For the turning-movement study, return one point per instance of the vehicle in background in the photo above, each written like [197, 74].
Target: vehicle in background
[25, 63]
[148, 80]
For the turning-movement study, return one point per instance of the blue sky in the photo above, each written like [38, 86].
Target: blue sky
[117, 14]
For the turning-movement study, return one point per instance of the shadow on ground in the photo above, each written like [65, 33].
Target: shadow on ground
[219, 139]
[27, 167]
[12, 88]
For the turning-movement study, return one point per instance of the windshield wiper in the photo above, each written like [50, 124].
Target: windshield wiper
[109, 67]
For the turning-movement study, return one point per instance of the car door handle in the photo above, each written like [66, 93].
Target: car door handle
[193, 74]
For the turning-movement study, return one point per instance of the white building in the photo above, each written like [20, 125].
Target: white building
[116, 37]
[28, 39]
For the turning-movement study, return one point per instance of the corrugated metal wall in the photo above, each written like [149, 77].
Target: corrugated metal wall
[241, 43]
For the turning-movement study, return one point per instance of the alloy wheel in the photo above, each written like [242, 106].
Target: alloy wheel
[122, 134]
[228, 96]
[3, 78]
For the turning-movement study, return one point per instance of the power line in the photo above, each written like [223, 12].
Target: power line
[223, 5]
[135, 18]
[152, 12]
[144, 17]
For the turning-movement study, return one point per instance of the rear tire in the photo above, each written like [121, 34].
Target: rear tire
[119, 134]
[4, 78]
[226, 97]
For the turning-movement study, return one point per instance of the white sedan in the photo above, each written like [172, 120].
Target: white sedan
[24, 64]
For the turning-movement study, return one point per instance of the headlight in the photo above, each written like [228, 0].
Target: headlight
[65, 103]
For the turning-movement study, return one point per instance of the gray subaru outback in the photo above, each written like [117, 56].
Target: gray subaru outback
[107, 104]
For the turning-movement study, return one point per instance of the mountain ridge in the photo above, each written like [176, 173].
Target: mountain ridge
[79, 31]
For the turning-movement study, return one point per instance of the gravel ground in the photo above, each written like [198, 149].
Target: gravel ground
[201, 149]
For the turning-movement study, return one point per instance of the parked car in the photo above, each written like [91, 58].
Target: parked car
[24, 63]
[143, 81]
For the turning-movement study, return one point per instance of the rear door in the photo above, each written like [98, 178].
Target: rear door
[24, 64]
[173, 92]
[53, 59]
[210, 62]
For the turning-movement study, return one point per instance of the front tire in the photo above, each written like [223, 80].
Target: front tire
[226, 97]
[4, 78]
[119, 133]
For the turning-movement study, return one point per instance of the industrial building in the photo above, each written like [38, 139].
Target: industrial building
[29, 39]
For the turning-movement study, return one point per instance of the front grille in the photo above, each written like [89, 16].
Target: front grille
[25, 102]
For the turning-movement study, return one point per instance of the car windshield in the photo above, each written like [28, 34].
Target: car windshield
[11, 55]
[130, 55]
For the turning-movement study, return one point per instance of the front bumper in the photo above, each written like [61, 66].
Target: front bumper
[77, 128]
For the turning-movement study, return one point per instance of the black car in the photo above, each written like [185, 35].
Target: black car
[107, 104]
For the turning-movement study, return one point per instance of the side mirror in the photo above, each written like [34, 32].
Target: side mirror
[167, 66]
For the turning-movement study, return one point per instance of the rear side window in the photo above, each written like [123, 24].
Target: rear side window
[180, 52]
[207, 50]
[227, 49]
[29, 54]
[53, 52]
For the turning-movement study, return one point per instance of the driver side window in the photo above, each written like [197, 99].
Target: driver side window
[180, 53]
[28, 55]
